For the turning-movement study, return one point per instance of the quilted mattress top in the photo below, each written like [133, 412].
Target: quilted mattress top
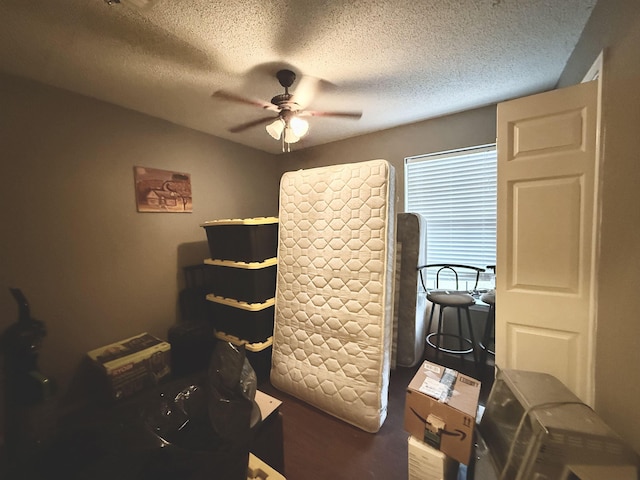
[334, 290]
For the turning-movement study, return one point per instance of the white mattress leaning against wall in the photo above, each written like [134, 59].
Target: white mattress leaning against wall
[334, 289]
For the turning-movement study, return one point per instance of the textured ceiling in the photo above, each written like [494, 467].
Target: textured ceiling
[398, 61]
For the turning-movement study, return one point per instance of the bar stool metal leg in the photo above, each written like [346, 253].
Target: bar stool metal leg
[437, 340]
[489, 328]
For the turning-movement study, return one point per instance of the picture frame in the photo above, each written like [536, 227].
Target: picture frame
[162, 191]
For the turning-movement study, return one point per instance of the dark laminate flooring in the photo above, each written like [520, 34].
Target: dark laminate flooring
[318, 446]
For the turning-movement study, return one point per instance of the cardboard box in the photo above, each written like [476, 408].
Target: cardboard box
[440, 409]
[258, 470]
[132, 364]
[427, 463]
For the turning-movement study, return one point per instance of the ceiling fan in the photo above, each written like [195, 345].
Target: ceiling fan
[289, 124]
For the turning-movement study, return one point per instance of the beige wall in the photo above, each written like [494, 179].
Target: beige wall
[615, 27]
[470, 128]
[94, 270]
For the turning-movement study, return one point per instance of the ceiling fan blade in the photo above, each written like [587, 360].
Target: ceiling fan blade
[306, 90]
[253, 123]
[311, 113]
[232, 97]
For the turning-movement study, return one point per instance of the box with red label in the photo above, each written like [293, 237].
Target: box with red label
[440, 409]
[132, 364]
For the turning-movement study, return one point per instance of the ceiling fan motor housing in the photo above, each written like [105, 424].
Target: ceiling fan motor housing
[286, 78]
[284, 101]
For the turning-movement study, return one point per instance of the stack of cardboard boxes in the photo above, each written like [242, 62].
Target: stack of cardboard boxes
[440, 416]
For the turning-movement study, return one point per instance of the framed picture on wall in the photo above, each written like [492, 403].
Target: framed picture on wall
[162, 190]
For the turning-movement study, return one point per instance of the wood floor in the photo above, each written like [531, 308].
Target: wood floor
[318, 446]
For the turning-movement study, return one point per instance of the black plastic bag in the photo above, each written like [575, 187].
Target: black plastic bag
[232, 390]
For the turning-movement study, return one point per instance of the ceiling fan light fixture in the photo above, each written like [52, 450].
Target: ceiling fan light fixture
[276, 128]
[299, 126]
[290, 136]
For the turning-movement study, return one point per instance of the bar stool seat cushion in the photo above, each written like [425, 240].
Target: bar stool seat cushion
[451, 298]
[489, 298]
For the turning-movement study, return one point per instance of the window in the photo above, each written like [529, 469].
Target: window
[456, 193]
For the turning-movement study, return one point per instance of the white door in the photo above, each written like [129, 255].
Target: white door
[547, 235]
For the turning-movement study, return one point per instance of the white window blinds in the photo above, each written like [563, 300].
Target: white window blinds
[456, 193]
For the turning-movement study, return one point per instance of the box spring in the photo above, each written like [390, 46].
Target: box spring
[411, 301]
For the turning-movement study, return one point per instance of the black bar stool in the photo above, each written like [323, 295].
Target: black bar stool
[461, 300]
[488, 341]
[487, 344]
